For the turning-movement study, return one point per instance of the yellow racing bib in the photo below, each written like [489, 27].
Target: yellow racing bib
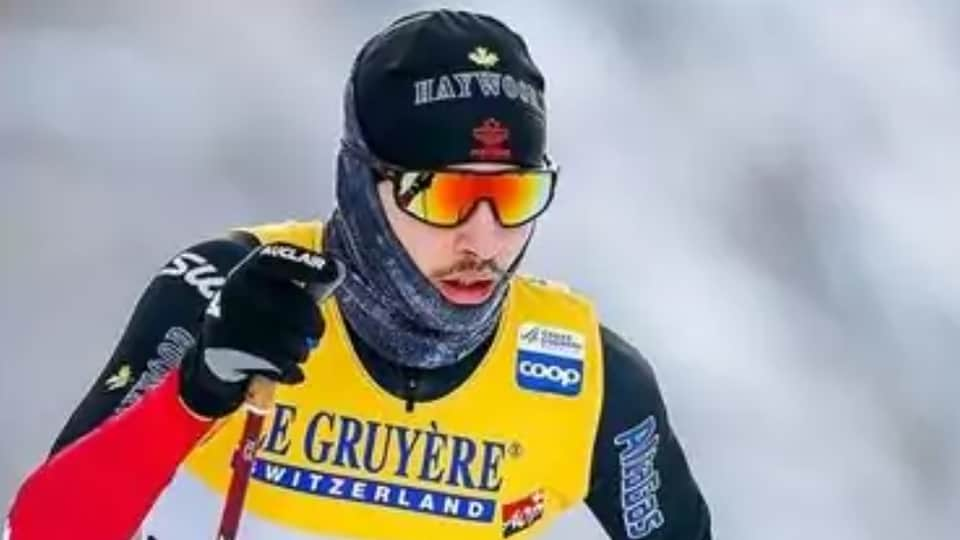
[500, 456]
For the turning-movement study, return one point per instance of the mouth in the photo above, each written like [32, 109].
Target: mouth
[466, 289]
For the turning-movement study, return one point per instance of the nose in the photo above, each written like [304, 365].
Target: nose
[481, 234]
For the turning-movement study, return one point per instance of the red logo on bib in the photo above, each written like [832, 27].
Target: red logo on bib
[521, 514]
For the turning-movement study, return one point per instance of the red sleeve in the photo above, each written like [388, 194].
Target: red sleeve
[102, 486]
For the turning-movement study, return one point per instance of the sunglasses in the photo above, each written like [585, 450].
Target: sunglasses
[448, 197]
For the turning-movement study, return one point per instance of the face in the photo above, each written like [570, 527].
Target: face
[465, 262]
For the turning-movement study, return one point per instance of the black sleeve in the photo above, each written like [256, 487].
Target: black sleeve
[161, 330]
[641, 485]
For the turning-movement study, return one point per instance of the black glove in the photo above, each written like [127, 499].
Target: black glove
[264, 321]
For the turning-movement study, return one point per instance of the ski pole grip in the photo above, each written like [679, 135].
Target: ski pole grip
[260, 394]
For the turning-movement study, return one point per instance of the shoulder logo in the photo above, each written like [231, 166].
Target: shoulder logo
[483, 57]
[196, 272]
[550, 359]
[120, 379]
[639, 478]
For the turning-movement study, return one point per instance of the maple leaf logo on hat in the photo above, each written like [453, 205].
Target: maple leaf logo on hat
[483, 57]
[492, 135]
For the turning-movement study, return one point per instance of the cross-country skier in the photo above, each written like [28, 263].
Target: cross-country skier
[424, 389]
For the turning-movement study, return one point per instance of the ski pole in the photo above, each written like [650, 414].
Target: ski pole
[258, 404]
[312, 272]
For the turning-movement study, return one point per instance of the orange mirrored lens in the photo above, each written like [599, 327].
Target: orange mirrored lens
[448, 197]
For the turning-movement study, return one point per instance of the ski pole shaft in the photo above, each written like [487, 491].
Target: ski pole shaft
[258, 404]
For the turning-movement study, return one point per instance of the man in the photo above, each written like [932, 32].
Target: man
[435, 394]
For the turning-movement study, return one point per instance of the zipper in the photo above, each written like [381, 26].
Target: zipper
[410, 389]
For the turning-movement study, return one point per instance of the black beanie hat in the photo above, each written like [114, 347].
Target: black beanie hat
[442, 87]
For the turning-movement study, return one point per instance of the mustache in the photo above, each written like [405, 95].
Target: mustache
[471, 265]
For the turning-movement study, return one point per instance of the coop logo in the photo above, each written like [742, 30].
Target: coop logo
[550, 360]
[545, 374]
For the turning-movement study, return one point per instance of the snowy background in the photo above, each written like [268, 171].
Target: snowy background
[761, 195]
